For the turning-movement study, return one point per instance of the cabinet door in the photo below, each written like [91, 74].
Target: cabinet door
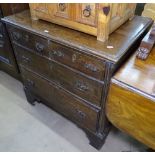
[86, 13]
[62, 10]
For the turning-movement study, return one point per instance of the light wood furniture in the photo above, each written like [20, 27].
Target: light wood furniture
[96, 19]
[149, 10]
[69, 70]
[146, 44]
[131, 102]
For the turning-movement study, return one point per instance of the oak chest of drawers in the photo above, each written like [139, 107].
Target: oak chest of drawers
[98, 19]
[69, 70]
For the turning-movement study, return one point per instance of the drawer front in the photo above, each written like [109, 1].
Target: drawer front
[33, 42]
[82, 86]
[63, 102]
[74, 59]
[32, 61]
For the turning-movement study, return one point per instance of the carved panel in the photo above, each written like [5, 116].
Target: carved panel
[86, 13]
[62, 10]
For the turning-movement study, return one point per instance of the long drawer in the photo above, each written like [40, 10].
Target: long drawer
[80, 61]
[31, 41]
[86, 88]
[62, 101]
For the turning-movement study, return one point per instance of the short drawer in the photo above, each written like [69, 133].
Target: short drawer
[73, 58]
[32, 61]
[31, 41]
[86, 88]
[60, 100]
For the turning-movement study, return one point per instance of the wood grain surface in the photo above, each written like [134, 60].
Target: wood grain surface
[131, 100]
[139, 74]
[120, 40]
[98, 19]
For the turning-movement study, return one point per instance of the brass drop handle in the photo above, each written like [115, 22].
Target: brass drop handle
[80, 86]
[57, 53]
[62, 6]
[39, 47]
[91, 67]
[25, 59]
[81, 114]
[16, 35]
[87, 11]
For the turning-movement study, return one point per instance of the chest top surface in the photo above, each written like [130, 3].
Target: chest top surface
[139, 74]
[112, 49]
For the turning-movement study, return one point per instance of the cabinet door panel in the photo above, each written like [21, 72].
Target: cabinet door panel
[62, 10]
[86, 13]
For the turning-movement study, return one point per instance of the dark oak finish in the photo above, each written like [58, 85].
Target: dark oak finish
[131, 102]
[33, 42]
[62, 101]
[121, 40]
[5, 46]
[65, 55]
[12, 8]
[77, 60]
[73, 81]
[74, 66]
[7, 58]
